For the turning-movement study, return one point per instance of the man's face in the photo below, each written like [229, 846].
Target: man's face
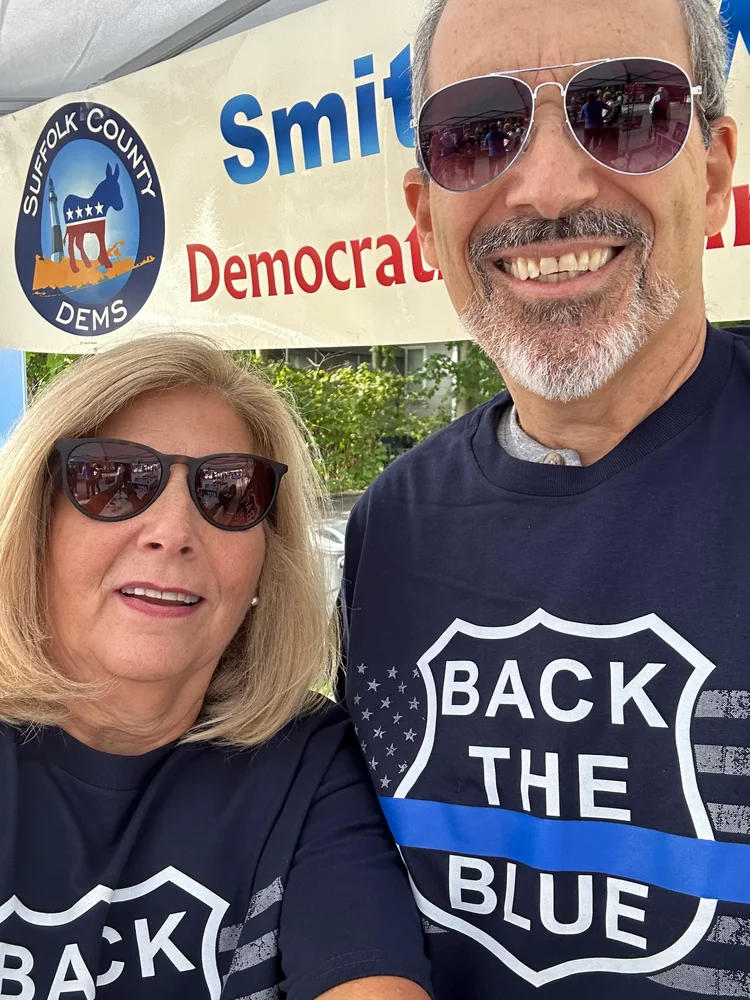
[565, 340]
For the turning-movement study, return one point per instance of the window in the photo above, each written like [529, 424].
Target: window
[415, 358]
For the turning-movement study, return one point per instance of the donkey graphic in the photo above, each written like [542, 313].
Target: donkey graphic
[89, 215]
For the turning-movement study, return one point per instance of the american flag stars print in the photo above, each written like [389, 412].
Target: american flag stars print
[389, 716]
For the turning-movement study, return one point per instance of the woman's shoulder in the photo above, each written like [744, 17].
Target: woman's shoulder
[311, 740]
[324, 722]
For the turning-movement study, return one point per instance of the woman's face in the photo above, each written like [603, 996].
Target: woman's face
[97, 632]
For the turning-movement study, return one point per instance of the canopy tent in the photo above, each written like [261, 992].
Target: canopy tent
[92, 41]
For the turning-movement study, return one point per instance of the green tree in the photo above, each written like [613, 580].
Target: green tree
[473, 377]
[42, 368]
[357, 419]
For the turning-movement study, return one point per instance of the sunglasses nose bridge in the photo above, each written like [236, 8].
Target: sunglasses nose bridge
[548, 83]
[566, 123]
[176, 485]
[536, 103]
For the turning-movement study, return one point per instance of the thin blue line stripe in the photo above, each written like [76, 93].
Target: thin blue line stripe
[705, 869]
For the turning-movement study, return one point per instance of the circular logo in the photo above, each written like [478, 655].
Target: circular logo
[90, 236]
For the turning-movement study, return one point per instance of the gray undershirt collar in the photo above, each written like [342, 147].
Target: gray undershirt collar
[514, 439]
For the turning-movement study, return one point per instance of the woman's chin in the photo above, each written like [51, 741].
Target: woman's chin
[148, 663]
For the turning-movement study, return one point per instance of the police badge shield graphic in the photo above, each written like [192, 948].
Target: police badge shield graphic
[552, 848]
[90, 234]
[159, 940]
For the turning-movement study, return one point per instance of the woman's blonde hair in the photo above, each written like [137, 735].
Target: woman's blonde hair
[283, 649]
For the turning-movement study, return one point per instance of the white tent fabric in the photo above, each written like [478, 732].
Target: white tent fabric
[51, 49]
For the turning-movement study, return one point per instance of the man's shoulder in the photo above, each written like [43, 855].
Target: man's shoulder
[441, 454]
[739, 338]
[741, 335]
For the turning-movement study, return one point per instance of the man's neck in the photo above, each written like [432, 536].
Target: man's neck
[593, 427]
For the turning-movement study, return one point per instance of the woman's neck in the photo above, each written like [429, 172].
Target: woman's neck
[128, 733]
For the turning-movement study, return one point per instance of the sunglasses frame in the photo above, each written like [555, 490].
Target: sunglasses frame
[66, 447]
[695, 90]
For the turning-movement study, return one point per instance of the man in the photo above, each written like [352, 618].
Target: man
[547, 603]
[593, 113]
[659, 109]
[497, 144]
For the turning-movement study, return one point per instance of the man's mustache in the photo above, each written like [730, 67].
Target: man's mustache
[589, 223]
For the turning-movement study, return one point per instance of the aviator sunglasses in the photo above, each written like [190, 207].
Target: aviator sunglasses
[632, 116]
[112, 480]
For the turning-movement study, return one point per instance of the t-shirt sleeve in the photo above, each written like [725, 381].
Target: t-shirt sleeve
[347, 911]
[354, 536]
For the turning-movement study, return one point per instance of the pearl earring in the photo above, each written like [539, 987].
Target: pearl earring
[254, 602]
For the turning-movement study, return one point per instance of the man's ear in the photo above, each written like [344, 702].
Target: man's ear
[720, 160]
[417, 194]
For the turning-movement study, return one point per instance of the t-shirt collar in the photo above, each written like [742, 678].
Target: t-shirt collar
[692, 399]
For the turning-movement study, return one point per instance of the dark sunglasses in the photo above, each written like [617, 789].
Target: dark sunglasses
[471, 132]
[113, 480]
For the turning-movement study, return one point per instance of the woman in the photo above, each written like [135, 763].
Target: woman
[181, 818]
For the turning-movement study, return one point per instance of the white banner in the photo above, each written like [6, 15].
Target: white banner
[252, 189]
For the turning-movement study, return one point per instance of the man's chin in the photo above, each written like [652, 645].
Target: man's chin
[563, 358]
[569, 347]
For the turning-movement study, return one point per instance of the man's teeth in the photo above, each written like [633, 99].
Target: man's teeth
[160, 595]
[554, 269]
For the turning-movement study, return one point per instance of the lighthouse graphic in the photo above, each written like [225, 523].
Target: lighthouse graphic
[57, 241]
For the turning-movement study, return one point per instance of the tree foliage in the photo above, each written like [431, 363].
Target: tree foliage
[473, 377]
[42, 368]
[358, 420]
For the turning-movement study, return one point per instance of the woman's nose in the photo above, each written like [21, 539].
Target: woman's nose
[169, 524]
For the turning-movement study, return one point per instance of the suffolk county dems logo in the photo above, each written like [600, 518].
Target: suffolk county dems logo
[90, 235]
[540, 781]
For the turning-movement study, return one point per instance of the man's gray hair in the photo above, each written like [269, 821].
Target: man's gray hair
[708, 47]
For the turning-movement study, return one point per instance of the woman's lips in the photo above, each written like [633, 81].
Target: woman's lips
[154, 608]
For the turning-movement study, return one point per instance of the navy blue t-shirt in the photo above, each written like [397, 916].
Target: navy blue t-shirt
[196, 872]
[549, 670]
[593, 113]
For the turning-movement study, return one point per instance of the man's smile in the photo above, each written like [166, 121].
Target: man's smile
[582, 269]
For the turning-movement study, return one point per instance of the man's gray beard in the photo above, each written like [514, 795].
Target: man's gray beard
[567, 350]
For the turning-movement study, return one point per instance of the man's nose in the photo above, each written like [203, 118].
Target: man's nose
[553, 176]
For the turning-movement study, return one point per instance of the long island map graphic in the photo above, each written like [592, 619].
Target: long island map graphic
[70, 267]
[90, 236]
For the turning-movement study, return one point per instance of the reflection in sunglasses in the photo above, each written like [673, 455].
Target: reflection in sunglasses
[631, 115]
[230, 496]
[115, 480]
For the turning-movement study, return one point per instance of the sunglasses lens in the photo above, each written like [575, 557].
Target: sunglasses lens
[632, 115]
[472, 131]
[236, 491]
[112, 480]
